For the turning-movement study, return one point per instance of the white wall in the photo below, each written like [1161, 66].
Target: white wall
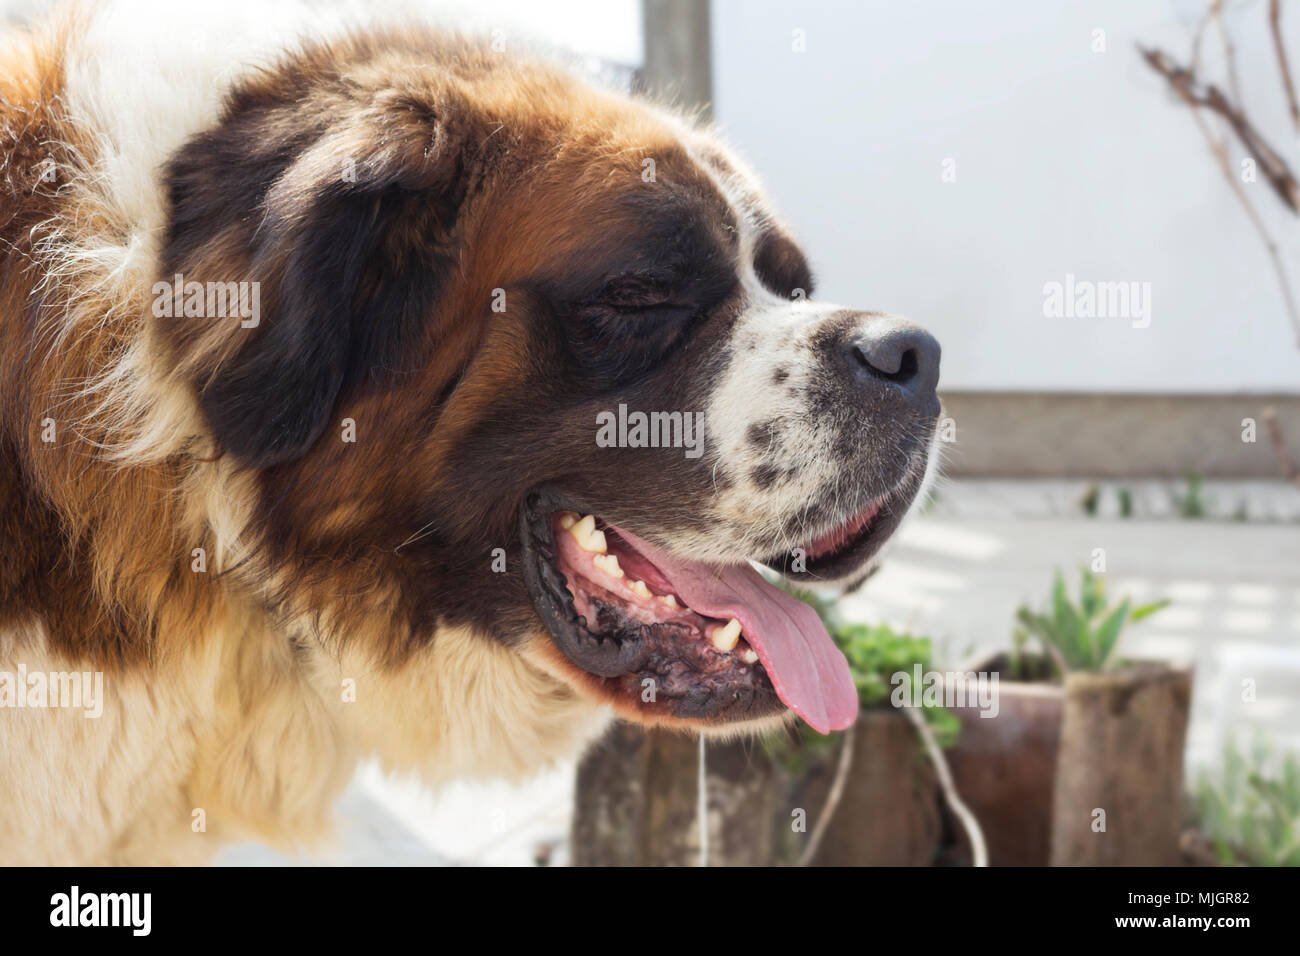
[604, 28]
[1067, 161]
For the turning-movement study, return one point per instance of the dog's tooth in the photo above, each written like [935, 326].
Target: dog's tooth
[724, 638]
[749, 655]
[669, 600]
[609, 564]
[588, 538]
[568, 519]
[639, 589]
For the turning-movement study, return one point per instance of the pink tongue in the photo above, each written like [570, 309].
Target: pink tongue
[808, 671]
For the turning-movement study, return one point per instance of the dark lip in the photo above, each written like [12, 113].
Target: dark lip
[623, 661]
[547, 588]
[852, 558]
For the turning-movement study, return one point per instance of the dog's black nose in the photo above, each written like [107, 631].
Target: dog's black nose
[899, 355]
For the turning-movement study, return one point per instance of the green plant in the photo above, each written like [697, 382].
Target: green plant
[1080, 636]
[1091, 499]
[875, 654]
[1025, 666]
[1251, 812]
[1126, 502]
[1193, 504]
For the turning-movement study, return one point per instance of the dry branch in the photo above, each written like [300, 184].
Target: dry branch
[1197, 94]
[1185, 84]
[1283, 62]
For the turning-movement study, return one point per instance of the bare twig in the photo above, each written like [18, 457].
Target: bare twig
[1229, 54]
[1185, 84]
[1273, 166]
[833, 798]
[1196, 94]
[979, 850]
[1283, 63]
[1198, 36]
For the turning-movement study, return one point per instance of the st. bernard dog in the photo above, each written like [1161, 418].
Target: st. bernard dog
[356, 502]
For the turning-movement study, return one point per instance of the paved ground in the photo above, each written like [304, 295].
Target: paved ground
[1235, 590]
[1265, 502]
[957, 574]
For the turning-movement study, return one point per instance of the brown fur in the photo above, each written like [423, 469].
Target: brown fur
[297, 543]
[329, 563]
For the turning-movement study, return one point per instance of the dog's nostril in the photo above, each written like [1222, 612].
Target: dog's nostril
[899, 354]
[891, 364]
[895, 352]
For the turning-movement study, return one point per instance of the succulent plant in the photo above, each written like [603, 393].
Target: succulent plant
[1082, 635]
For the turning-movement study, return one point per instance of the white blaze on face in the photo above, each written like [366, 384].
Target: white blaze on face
[759, 416]
[774, 441]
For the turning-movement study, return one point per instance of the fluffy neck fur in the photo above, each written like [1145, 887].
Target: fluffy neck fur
[211, 704]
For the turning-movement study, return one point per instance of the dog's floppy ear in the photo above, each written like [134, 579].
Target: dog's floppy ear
[349, 248]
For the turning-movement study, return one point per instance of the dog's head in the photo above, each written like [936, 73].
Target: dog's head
[538, 359]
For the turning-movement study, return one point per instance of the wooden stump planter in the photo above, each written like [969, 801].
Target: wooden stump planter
[1005, 766]
[637, 791]
[1060, 762]
[635, 803]
[1118, 798]
[888, 814]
